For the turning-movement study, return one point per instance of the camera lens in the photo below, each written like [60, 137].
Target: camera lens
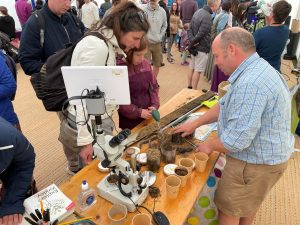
[116, 140]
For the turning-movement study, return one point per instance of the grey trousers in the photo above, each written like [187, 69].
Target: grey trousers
[171, 41]
[68, 138]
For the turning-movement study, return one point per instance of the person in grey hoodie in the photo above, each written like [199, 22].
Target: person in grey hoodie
[158, 24]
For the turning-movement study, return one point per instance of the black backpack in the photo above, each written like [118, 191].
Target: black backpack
[48, 84]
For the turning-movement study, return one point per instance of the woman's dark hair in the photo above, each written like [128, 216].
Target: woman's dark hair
[234, 7]
[226, 5]
[143, 46]
[125, 17]
[281, 10]
[115, 2]
[242, 7]
[3, 10]
[176, 11]
[80, 3]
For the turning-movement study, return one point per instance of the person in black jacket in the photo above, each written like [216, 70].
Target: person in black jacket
[7, 23]
[200, 40]
[61, 29]
[162, 4]
[17, 160]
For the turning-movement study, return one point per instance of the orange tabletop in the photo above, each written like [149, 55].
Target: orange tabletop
[176, 210]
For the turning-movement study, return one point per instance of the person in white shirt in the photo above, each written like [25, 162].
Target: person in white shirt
[89, 13]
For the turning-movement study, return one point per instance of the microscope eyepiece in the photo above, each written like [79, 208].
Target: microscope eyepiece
[116, 140]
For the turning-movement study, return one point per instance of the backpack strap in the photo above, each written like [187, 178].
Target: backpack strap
[41, 22]
[100, 36]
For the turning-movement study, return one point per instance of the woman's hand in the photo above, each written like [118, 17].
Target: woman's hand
[87, 154]
[146, 114]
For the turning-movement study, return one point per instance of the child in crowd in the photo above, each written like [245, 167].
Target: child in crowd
[143, 88]
[184, 43]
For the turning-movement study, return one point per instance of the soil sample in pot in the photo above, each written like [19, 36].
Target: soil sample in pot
[168, 152]
[181, 171]
[153, 159]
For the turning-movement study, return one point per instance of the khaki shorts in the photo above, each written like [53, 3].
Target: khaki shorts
[154, 54]
[198, 62]
[244, 186]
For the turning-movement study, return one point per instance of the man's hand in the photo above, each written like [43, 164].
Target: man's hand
[192, 50]
[87, 154]
[11, 219]
[204, 147]
[146, 114]
[186, 128]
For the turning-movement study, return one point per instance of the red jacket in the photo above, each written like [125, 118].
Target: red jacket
[143, 93]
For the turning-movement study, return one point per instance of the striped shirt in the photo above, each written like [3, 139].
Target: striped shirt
[255, 114]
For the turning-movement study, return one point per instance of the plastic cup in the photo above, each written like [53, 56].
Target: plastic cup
[141, 219]
[168, 152]
[172, 185]
[201, 159]
[187, 163]
[117, 214]
[183, 173]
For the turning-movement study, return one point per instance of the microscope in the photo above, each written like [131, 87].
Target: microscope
[124, 184]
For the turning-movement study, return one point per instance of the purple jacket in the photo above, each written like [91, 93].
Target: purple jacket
[143, 94]
[24, 10]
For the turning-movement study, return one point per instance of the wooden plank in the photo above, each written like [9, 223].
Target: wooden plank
[177, 213]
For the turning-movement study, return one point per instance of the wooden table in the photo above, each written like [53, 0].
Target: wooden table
[176, 210]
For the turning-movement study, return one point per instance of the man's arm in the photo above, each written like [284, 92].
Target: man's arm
[164, 25]
[16, 167]
[209, 117]
[31, 53]
[211, 145]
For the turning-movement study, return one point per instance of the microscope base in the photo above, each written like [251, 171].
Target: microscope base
[111, 193]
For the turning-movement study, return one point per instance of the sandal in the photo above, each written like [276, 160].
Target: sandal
[170, 60]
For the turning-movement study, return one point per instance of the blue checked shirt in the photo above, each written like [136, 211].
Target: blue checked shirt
[255, 115]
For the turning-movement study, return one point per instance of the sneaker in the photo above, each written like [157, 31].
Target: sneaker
[70, 172]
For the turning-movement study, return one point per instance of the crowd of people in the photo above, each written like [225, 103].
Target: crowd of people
[256, 107]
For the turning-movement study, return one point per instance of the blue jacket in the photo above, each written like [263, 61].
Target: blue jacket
[59, 31]
[16, 167]
[7, 88]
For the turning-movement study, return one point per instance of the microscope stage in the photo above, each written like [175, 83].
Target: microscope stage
[111, 193]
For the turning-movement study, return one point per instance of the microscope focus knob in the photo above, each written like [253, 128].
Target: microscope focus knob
[124, 179]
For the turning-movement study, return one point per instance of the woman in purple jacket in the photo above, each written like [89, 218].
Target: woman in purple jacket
[143, 89]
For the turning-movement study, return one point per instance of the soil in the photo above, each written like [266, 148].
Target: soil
[168, 154]
[181, 171]
[168, 147]
[177, 139]
[152, 128]
[153, 159]
[181, 150]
